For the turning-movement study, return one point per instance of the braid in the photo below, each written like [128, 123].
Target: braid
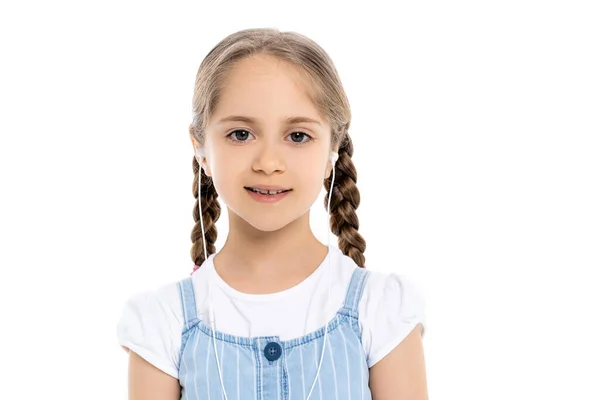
[211, 210]
[345, 199]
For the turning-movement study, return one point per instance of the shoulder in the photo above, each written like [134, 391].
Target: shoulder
[391, 306]
[380, 286]
[163, 300]
[392, 290]
[151, 323]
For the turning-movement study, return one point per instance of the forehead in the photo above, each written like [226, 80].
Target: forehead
[266, 88]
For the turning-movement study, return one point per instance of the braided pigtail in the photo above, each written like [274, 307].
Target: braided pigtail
[345, 199]
[211, 210]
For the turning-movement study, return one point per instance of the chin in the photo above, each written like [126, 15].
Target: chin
[270, 218]
[267, 223]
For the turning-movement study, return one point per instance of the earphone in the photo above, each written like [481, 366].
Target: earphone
[333, 158]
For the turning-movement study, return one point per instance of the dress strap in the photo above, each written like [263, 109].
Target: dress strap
[188, 302]
[355, 289]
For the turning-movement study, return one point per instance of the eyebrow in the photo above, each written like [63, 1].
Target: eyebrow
[250, 120]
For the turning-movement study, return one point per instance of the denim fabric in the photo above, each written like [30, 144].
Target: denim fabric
[249, 375]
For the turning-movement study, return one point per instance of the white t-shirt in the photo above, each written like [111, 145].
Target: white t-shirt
[389, 309]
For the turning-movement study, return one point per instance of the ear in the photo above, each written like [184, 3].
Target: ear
[202, 162]
[206, 167]
[329, 168]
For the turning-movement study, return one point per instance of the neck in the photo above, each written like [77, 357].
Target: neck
[251, 252]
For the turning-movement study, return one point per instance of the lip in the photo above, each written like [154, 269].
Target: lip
[264, 198]
[266, 187]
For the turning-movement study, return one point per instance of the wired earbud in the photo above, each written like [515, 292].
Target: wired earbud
[200, 154]
[334, 157]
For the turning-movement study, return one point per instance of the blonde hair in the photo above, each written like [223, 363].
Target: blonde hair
[330, 98]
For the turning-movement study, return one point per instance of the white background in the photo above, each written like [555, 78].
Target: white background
[476, 132]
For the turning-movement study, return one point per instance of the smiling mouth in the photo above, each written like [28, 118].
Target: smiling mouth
[271, 192]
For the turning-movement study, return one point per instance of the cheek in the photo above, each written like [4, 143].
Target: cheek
[226, 174]
[226, 177]
[307, 167]
[312, 179]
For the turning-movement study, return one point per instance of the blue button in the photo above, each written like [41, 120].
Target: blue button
[272, 351]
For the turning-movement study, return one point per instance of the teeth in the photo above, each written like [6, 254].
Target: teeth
[267, 191]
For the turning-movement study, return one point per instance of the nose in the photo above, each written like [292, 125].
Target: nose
[269, 159]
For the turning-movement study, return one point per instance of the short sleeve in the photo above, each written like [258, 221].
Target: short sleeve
[151, 326]
[390, 308]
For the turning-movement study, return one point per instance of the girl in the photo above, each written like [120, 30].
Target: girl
[275, 314]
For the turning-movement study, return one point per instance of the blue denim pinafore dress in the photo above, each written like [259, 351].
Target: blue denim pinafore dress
[266, 368]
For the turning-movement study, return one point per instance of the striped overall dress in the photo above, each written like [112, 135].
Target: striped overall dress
[267, 368]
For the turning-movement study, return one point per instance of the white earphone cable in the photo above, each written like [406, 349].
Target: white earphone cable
[329, 291]
[334, 156]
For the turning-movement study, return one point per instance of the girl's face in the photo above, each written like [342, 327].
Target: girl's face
[266, 131]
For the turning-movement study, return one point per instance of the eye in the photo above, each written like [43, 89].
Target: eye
[239, 135]
[297, 137]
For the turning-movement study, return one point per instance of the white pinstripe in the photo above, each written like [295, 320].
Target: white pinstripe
[318, 378]
[222, 368]
[237, 367]
[207, 370]
[302, 369]
[347, 362]
[334, 371]
[194, 364]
